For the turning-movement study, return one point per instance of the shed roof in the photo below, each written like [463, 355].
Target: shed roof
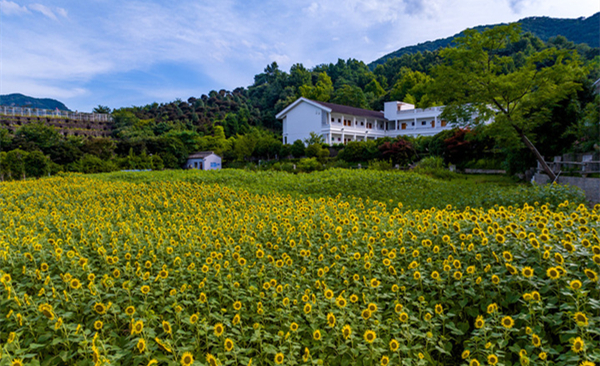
[201, 154]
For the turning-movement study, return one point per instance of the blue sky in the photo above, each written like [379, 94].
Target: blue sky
[124, 53]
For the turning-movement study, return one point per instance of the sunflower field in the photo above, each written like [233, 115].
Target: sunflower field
[98, 271]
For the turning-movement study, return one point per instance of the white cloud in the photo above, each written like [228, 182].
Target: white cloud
[227, 42]
[10, 8]
[44, 10]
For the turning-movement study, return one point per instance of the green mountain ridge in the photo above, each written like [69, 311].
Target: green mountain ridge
[579, 30]
[20, 100]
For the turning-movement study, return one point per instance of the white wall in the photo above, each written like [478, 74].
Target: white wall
[211, 162]
[301, 121]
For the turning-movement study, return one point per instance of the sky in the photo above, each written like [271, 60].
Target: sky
[122, 53]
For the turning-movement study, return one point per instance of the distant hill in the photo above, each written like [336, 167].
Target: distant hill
[20, 100]
[580, 30]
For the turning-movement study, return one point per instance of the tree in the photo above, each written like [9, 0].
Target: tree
[321, 92]
[101, 109]
[298, 149]
[352, 96]
[477, 79]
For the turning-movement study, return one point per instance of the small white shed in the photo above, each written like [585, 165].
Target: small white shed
[204, 160]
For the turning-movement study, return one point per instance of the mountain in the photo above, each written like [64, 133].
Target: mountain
[20, 100]
[580, 30]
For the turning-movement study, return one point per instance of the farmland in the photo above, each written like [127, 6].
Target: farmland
[238, 268]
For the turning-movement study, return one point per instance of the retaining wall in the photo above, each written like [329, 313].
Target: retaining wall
[591, 186]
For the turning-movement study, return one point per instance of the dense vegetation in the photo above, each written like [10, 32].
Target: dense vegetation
[241, 127]
[209, 268]
[579, 31]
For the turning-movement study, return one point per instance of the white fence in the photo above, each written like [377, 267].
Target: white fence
[36, 112]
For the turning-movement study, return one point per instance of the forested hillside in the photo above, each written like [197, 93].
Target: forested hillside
[579, 31]
[20, 100]
[240, 125]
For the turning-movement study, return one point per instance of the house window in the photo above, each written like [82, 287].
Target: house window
[339, 120]
[423, 123]
[404, 126]
[444, 123]
[333, 120]
[285, 139]
[362, 123]
[412, 124]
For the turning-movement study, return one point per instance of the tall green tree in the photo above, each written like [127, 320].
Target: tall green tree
[477, 78]
[321, 92]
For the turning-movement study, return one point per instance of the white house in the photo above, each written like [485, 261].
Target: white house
[340, 124]
[204, 160]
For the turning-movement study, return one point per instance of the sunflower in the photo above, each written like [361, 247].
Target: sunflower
[536, 296]
[372, 307]
[17, 362]
[341, 302]
[279, 357]
[294, 327]
[536, 341]
[306, 355]
[236, 320]
[439, 309]
[331, 320]
[346, 331]
[592, 275]
[100, 308]
[466, 353]
[317, 335]
[366, 314]
[507, 322]
[578, 345]
[581, 319]
[307, 308]
[229, 344]
[495, 279]
[75, 284]
[237, 305]
[492, 359]
[328, 294]
[137, 327]
[527, 272]
[507, 256]
[417, 275]
[403, 317]
[394, 345]
[435, 275]
[145, 289]
[427, 317]
[385, 360]
[187, 359]
[370, 336]
[141, 345]
[398, 308]
[457, 275]
[130, 310]
[98, 325]
[474, 362]
[479, 322]
[553, 273]
[219, 328]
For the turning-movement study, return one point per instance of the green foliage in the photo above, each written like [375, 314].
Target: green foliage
[383, 186]
[322, 91]
[297, 149]
[580, 31]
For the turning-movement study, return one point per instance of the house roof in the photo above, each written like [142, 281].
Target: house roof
[331, 107]
[201, 154]
[344, 109]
